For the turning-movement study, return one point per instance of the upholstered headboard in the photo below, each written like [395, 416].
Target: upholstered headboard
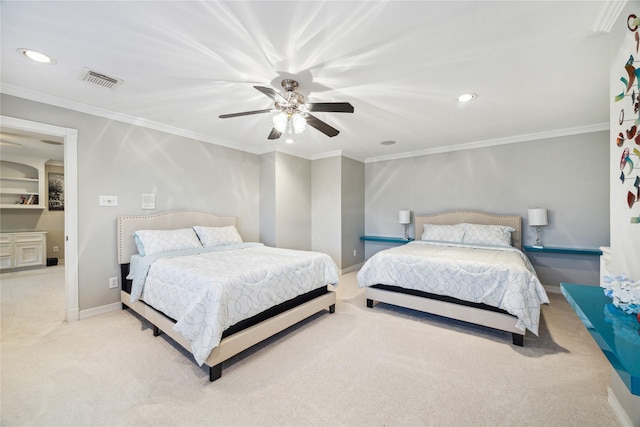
[170, 220]
[473, 217]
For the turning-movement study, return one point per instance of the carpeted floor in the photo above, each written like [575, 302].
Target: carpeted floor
[357, 367]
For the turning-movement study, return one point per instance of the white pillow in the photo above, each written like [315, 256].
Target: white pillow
[217, 236]
[444, 233]
[151, 242]
[497, 235]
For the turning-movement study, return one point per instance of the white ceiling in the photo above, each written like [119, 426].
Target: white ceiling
[537, 66]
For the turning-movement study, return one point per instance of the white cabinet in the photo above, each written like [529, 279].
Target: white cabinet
[23, 249]
[22, 182]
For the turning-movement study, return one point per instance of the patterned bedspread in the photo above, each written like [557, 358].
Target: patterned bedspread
[209, 291]
[497, 276]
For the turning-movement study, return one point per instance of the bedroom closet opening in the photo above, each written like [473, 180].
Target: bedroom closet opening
[38, 203]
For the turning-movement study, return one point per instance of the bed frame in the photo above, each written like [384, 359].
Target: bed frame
[453, 308]
[231, 344]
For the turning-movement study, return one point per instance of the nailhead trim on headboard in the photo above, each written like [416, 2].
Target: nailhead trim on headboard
[127, 225]
[474, 217]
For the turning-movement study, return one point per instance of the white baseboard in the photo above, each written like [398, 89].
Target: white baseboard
[95, 311]
[351, 268]
[550, 289]
[618, 410]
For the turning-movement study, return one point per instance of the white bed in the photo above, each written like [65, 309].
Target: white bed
[220, 300]
[487, 283]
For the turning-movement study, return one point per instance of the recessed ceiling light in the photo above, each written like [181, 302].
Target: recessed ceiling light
[387, 142]
[36, 56]
[466, 97]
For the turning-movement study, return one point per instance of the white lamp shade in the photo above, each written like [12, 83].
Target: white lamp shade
[289, 124]
[537, 217]
[299, 123]
[404, 217]
[280, 122]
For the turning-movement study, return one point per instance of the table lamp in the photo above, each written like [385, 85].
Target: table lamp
[537, 218]
[404, 217]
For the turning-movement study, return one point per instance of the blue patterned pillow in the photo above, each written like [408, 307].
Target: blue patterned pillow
[217, 236]
[151, 242]
[496, 235]
[443, 233]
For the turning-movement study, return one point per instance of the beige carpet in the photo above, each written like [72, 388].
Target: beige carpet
[357, 367]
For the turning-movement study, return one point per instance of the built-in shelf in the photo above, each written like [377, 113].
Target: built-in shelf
[22, 183]
[570, 251]
[395, 240]
[615, 331]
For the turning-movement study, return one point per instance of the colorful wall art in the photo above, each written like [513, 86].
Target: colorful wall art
[628, 138]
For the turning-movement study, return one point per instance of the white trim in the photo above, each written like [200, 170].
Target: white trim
[71, 203]
[552, 289]
[111, 115]
[493, 142]
[71, 224]
[120, 117]
[96, 311]
[618, 410]
[352, 268]
[608, 16]
[336, 153]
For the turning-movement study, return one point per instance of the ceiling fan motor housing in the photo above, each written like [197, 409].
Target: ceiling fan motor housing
[289, 85]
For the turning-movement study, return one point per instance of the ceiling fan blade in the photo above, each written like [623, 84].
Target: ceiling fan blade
[321, 126]
[271, 93]
[274, 134]
[331, 107]
[246, 113]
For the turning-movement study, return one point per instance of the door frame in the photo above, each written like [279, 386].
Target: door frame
[70, 137]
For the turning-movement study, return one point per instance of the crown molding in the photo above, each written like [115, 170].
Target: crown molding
[493, 142]
[20, 92]
[111, 115]
[609, 13]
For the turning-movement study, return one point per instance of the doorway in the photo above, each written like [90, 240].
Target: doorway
[70, 138]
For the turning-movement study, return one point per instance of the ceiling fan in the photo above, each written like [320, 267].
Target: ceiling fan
[293, 113]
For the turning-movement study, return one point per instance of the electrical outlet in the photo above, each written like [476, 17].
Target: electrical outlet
[108, 200]
[56, 248]
[113, 282]
[355, 252]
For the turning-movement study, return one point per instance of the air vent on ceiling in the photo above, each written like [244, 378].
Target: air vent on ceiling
[100, 79]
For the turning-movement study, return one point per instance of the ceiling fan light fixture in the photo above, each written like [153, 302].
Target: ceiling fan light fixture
[289, 123]
[299, 123]
[280, 121]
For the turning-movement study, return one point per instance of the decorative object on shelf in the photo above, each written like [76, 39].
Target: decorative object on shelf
[56, 191]
[537, 218]
[624, 292]
[404, 217]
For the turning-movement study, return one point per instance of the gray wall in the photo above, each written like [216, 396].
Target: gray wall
[566, 175]
[119, 159]
[268, 199]
[338, 209]
[293, 202]
[353, 190]
[326, 224]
